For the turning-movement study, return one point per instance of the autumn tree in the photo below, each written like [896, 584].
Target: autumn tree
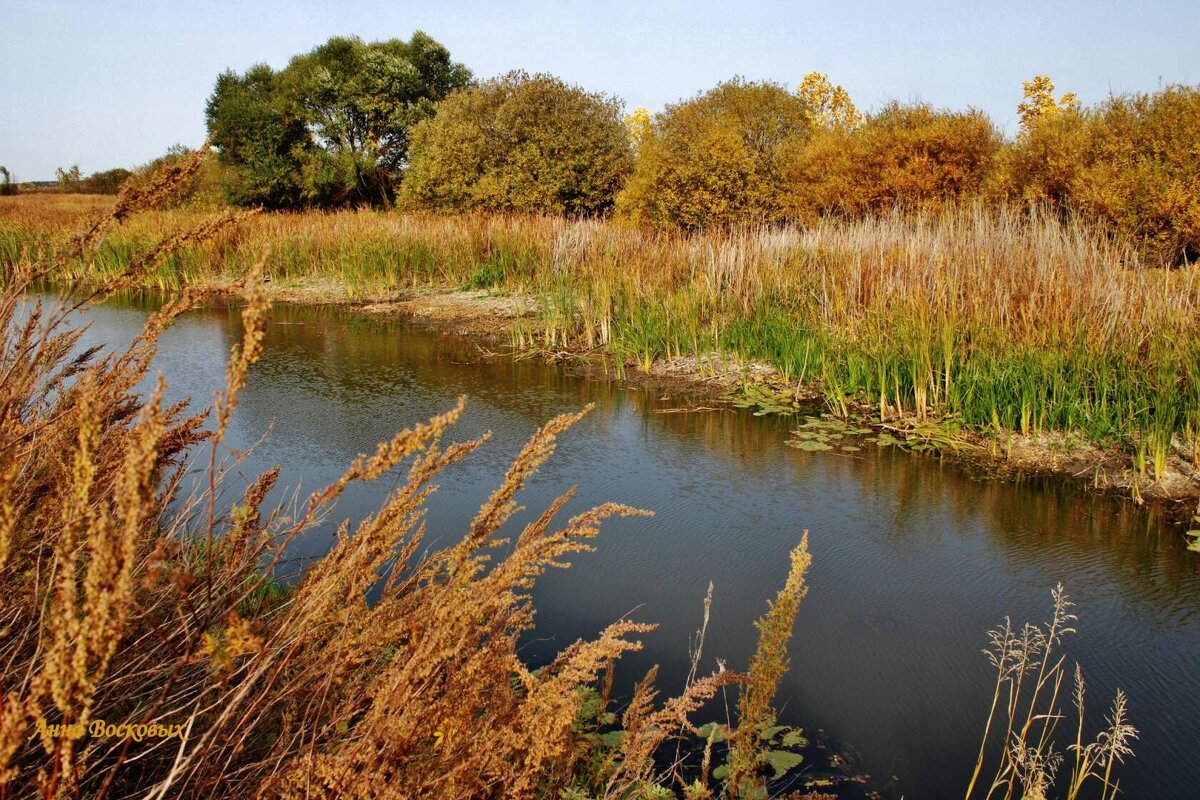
[907, 155]
[1038, 104]
[638, 125]
[1130, 165]
[829, 105]
[1141, 178]
[718, 158]
[524, 143]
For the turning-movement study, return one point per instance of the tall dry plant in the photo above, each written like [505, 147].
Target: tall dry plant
[1019, 735]
[768, 665]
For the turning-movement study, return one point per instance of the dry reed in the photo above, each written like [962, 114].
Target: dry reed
[1025, 713]
[1003, 320]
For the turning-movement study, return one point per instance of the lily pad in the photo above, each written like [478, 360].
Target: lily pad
[781, 761]
[810, 446]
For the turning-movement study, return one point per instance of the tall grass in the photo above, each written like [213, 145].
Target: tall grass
[1005, 320]
[1026, 712]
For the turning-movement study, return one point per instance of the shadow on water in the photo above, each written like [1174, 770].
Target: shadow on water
[913, 560]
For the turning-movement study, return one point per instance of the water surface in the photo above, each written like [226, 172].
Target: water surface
[912, 560]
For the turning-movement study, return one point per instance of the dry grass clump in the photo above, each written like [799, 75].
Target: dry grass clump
[148, 649]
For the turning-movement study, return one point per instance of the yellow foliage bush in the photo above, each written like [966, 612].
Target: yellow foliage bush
[906, 155]
[717, 159]
[1131, 165]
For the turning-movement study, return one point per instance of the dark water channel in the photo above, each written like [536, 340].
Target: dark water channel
[912, 560]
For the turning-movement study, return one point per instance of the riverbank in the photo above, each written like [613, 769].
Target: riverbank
[1015, 340]
[713, 382]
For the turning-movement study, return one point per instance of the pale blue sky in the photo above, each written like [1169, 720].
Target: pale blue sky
[115, 82]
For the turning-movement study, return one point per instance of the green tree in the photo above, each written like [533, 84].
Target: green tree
[333, 126]
[7, 184]
[718, 158]
[106, 182]
[520, 143]
[260, 136]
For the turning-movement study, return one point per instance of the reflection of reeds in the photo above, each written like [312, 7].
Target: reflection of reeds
[1025, 713]
[1006, 320]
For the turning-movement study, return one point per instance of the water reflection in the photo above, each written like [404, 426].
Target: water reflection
[913, 560]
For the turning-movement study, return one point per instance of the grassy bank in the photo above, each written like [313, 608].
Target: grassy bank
[999, 321]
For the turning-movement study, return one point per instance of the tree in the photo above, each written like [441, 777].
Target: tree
[106, 182]
[829, 105]
[67, 178]
[7, 184]
[638, 125]
[260, 135]
[520, 143]
[1038, 103]
[1141, 178]
[333, 126]
[718, 158]
[1130, 165]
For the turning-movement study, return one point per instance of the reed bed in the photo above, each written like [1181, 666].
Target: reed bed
[1004, 320]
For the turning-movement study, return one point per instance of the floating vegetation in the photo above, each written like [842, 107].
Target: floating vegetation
[766, 399]
[823, 434]
[918, 436]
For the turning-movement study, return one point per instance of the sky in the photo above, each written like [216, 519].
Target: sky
[114, 83]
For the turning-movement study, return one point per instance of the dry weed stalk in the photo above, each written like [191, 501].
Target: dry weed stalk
[770, 662]
[1025, 701]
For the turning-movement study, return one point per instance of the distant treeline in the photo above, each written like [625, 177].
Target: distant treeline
[400, 123]
[106, 182]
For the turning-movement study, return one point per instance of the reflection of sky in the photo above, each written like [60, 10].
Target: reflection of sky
[912, 561]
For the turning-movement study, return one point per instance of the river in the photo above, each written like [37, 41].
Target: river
[913, 560]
